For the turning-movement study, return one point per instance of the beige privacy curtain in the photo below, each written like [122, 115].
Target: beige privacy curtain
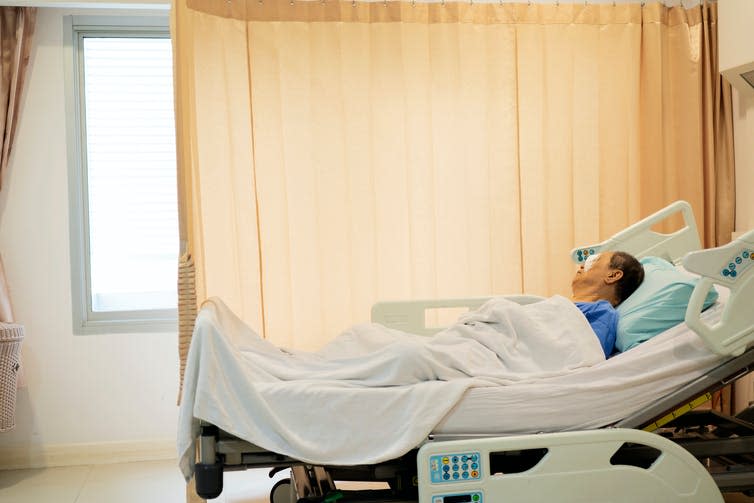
[333, 154]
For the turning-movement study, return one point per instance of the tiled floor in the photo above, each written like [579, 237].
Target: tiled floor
[145, 482]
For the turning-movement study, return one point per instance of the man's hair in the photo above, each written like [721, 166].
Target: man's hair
[633, 274]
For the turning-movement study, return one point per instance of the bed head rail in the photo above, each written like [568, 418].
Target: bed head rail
[640, 240]
[731, 266]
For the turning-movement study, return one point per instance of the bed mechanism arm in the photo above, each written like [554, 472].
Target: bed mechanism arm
[640, 240]
[731, 266]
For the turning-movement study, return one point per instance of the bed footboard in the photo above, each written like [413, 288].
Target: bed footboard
[615, 465]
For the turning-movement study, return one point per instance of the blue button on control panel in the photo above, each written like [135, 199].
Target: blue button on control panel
[455, 467]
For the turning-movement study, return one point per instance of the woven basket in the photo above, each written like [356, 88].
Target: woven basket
[10, 360]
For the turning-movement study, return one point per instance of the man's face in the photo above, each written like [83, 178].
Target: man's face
[593, 270]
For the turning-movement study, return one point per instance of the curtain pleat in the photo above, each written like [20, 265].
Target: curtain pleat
[337, 154]
[16, 31]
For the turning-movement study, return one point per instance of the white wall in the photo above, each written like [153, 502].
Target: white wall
[743, 126]
[736, 51]
[82, 391]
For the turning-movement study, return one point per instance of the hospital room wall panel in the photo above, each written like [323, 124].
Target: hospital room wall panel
[743, 119]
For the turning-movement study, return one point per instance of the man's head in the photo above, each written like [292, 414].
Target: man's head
[611, 276]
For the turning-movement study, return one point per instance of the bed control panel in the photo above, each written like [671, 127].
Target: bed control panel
[580, 255]
[738, 264]
[458, 467]
[472, 497]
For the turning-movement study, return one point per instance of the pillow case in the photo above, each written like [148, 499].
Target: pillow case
[658, 304]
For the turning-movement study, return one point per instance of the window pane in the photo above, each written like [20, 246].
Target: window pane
[131, 168]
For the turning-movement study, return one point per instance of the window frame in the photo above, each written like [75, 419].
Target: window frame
[85, 320]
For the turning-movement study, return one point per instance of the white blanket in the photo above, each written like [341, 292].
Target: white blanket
[340, 404]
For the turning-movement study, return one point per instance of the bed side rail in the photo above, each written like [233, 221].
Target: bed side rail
[640, 240]
[731, 266]
[600, 465]
[425, 317]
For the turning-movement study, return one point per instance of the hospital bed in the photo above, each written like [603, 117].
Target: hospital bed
[628, 429]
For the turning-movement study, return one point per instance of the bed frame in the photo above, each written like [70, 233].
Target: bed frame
[622, 463]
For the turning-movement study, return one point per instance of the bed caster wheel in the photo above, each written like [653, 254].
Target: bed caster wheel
[282, 492]
[209, 480]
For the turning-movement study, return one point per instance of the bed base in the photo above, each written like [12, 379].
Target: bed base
[611, 464]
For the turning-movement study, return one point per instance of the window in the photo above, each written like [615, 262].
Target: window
[124, 216]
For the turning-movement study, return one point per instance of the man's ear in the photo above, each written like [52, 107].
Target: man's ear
[613, 276]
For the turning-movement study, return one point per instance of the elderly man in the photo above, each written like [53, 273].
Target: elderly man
[604, 281]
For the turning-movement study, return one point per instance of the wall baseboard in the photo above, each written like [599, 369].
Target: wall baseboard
[46, 456]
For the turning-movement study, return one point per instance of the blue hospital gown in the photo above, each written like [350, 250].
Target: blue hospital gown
[603, 318]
